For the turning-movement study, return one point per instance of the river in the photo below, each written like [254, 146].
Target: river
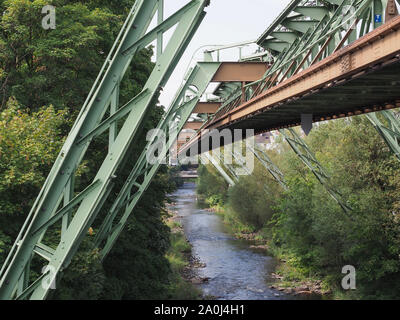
[235, 271]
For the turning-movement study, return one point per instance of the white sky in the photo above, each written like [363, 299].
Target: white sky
[226, 22]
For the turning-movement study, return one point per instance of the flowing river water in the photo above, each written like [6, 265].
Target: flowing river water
[235, 271]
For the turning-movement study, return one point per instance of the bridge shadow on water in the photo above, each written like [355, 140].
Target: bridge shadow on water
[235, 271]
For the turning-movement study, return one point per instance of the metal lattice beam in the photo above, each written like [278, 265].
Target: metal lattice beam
[59, 187]
[143, 173]
[271, 167]
[207, 157]
[302, 150]
[389, 131]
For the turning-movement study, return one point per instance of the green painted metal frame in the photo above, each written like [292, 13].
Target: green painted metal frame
[59, 187]
[300, 147]
[143, 173]
[389, 131]
[208, 157]
[271, 167]
[240, 161]
[265, 161]
[305, 33]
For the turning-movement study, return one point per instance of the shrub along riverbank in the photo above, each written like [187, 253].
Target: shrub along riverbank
[306, 229]
[182, 263]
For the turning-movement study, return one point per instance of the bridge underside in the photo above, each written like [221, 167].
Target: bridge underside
[362, 77]
[373, 91]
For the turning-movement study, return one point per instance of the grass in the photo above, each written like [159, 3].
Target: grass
[178, 256]
[293, 275]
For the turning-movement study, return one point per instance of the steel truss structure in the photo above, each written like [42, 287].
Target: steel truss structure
[389, 131]
[58, 205]
[304, 34]
[208, 157]
[303, 38]
[300, 147]
[270, 166]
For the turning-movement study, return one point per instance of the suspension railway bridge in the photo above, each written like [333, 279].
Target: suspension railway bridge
[318, 61]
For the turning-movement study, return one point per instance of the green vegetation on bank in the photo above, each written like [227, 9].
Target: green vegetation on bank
[306, 228]
[45, 76]
[178, 256]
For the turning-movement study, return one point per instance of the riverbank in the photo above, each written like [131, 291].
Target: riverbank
[184, 278]
[287, 278]
[229, 268]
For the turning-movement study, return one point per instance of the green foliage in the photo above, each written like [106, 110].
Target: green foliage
[309, 230]
[90, 283]
[252, 199]
[312, 227]
[178, 255]
[211, 186]
[5, 243]
[29, 144]
[137, 264]
[57, 68]
[175, 179]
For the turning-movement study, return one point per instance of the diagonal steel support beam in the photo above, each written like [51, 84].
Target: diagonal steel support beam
[219, 168]
[302, 150]
[144, 171]
[117, 115]
[240, 161]
[87, 125]
[271, 167]
[389, 131]
[66, 209]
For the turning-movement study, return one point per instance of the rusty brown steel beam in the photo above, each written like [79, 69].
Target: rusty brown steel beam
[391, 10]
[377, 53]
[207, 107]
[194, 125]
[376, 47]
[240, 71]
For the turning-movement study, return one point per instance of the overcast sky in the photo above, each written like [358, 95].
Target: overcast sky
[226, 22]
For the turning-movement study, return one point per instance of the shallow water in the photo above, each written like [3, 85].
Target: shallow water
[235, 271]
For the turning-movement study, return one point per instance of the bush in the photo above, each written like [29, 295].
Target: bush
[212, 186]
[253, 198]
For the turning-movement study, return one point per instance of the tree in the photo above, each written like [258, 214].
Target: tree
[57, 68]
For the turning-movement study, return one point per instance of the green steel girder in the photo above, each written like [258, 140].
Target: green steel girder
[142, 174]
[15, 274]
[271, 167]
[226, 163]
[299, 25]
[223, 167]
[240, 161]
[302, 150]
[276, 45]
[265, 160]
[299, 11]
[330, 26]
[216, 162]
[389, 131]
[316, 13]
